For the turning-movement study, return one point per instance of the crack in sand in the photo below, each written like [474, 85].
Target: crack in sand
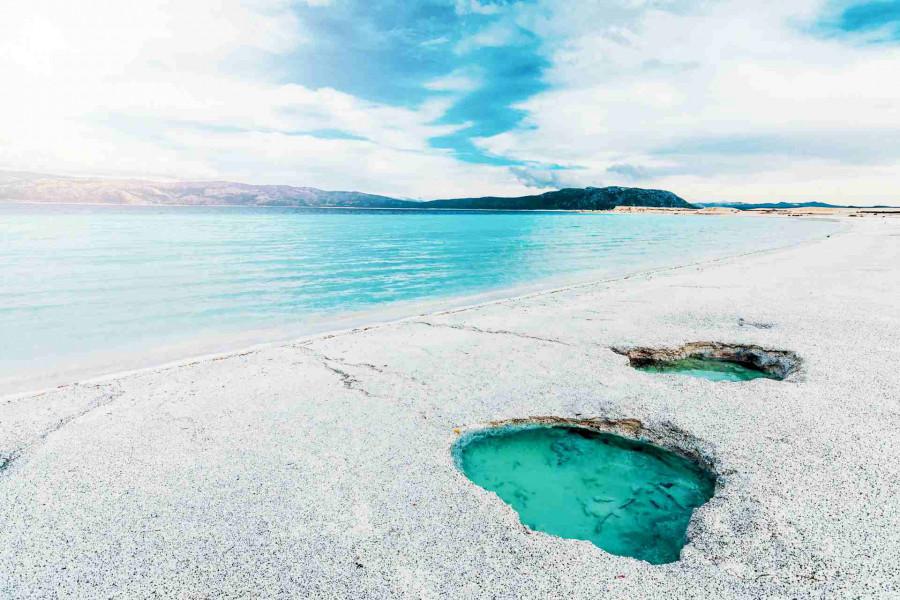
[347, 380]
[345, 363]
[369, 366]
[350, 382]
[755, 324]
[8, 458]
[494, 332]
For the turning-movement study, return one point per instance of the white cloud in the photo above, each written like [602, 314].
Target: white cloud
[495, 35]
[461, 80]
[145, 89]
[474, 6]
[780, 111]
[716, 101]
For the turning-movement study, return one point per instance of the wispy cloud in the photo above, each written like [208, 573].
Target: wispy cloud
[660, 94]
[460, 81]
[488, 7]
[727, 100]
[543, 177]
[141, 90]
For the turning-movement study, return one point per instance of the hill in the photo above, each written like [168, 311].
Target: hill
[30, 187]
[27, 187]
[589, 198]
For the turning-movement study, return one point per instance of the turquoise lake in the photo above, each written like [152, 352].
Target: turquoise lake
[90, 287]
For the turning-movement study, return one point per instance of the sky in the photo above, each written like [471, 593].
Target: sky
[788, 100]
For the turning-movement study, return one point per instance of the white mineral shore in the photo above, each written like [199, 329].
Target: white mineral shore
[323, 468]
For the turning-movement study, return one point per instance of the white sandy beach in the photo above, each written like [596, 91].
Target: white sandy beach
[322, 468]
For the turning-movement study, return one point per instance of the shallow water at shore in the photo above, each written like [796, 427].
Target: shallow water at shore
[80, 282]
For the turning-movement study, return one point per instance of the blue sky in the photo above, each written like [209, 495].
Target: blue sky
[882, 16]
[725, 100]
[398, 53]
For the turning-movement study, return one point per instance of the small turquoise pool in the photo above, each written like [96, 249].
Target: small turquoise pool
[627, 497]
[714, 370]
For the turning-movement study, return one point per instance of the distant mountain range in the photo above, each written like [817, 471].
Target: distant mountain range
[788, 205]
[27, 187]
[30, 187]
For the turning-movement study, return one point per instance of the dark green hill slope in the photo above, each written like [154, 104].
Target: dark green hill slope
[570, 199]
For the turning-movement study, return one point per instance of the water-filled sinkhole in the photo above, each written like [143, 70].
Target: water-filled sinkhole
[715, 361]
[628, 497]
[714, 370]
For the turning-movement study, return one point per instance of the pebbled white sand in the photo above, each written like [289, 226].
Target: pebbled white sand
[323, 468]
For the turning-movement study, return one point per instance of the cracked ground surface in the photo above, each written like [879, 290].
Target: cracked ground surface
[322, 468]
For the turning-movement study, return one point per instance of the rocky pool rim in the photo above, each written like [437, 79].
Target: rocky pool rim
[665, 436]
[775, 364]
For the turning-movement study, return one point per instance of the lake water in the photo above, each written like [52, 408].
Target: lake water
[87, 288]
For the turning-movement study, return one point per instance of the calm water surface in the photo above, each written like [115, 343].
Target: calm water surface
[627, 497]
[82, 283]
[704, 368]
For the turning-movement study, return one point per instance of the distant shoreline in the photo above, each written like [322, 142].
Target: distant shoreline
[424, 208]
[166, 356]
[619, 210]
